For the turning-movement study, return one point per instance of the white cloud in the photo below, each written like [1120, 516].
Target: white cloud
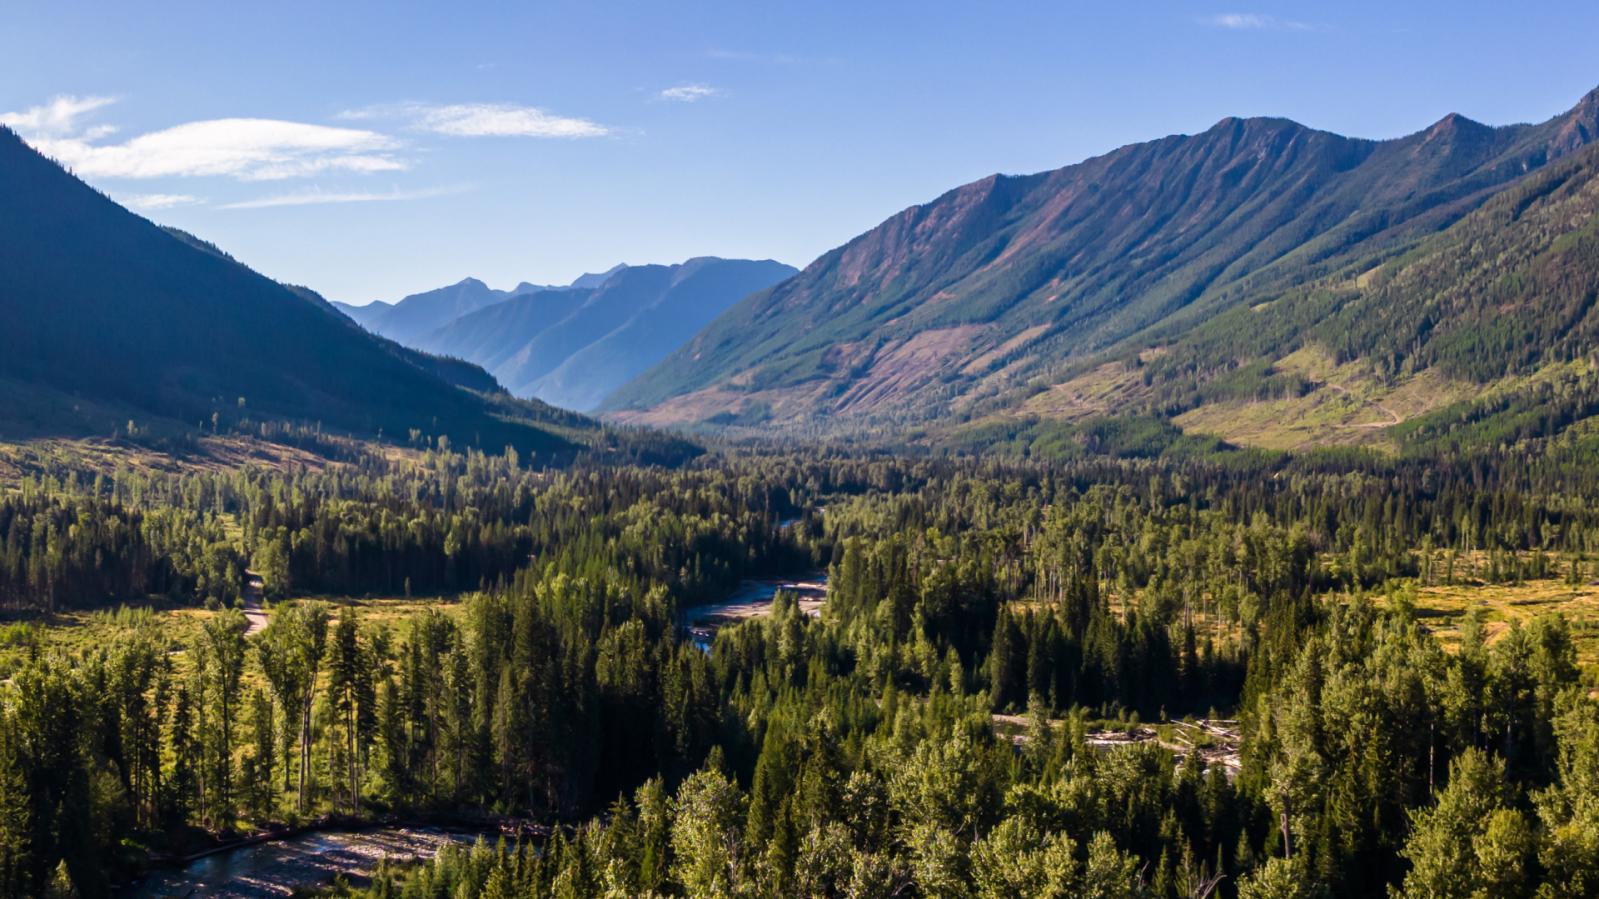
[58, 117]
[689, 93]
[159, 201]
[482, 120]
[246, 149]
[318, 197]
[1248, 21]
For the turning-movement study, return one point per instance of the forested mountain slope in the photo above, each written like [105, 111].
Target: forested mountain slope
[103, 309]
[1484, 332]
[1008, 283]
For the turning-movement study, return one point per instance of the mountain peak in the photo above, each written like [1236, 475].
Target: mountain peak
[1578, 127]
[595, 279]
[1455, 123]
[574, 345]
[1589, 104]
[1255, 124]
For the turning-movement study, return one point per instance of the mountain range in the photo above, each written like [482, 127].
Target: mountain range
[416, 315]
[1015, 298]
[572, 346]
[1257, 284]
[113, 323]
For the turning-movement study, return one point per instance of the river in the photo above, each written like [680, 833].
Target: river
[279, 867]
[752, 599]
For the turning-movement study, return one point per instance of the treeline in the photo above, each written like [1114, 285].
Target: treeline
[67, 550]
[465, 522]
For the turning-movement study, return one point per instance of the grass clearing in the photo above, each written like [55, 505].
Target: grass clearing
[1348, 408]
[1442, 609]
[73, 634]
[1091, 393]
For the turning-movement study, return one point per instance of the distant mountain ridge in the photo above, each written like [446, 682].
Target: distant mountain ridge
[416, 315]
[572, 346]
[105, 313]
[972, 303]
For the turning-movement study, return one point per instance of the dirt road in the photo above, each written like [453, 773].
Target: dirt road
[1394, 417]
[253, 612]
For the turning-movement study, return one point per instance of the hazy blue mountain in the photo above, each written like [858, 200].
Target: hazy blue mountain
[595, 279]
[572, 347]
[409, 319]
[420, 313]
[492, 336]
[693, 294]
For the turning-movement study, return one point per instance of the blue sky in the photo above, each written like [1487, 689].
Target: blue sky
[371, 150]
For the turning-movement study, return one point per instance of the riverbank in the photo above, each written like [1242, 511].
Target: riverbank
[753, 599]
[279, 862]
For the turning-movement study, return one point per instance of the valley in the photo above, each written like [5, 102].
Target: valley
[1216, 517]
[452, 634]
[571, 346]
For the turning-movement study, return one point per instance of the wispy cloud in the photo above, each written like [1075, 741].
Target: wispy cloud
[58, 117]
[159, 201]
[782, 59]
[246, 149]
[482, 120]
[319, 197]
[1248, 21]
[689, 93]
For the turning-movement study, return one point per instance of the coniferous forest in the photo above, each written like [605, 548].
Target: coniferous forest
[1145, 502]
[1104, 678]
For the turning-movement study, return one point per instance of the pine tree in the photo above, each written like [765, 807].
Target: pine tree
[182, 781]
[61, 885]
[344, 676]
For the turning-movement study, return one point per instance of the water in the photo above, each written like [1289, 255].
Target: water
[752, 599]
[280, 867]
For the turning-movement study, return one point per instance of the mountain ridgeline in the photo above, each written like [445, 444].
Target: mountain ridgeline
[420, 313]
[111, 319]
[572, 346]
[996, 300]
